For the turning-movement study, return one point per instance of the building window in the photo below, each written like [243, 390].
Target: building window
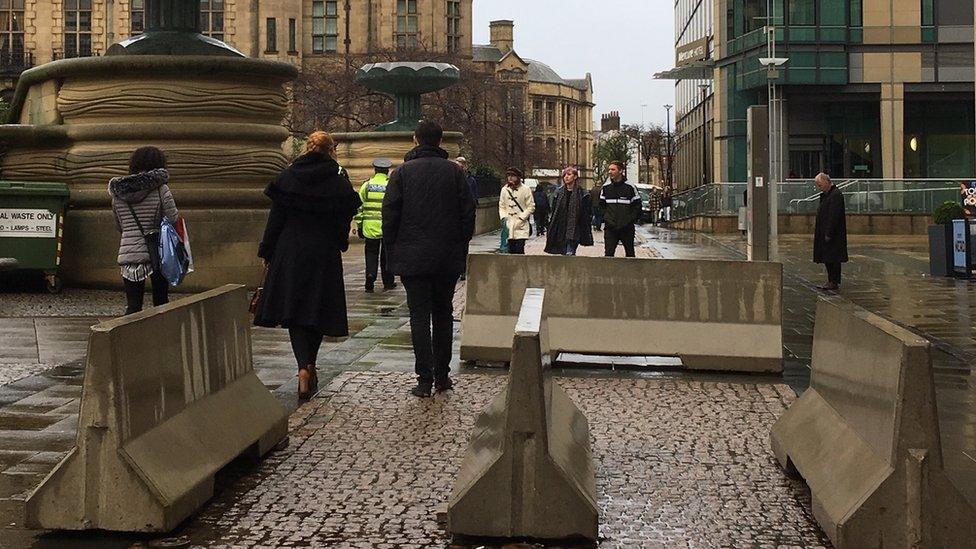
[537, 113]
[325, 26]
[453, 26]
[803, 12]
[292, 36]
[11, 30]
[406, 25]
[928, 13]
[77, 28]
[137, 17]
[272, 36]
[212, 18]
[550, 114]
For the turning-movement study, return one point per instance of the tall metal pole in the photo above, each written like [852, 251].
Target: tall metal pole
[667, 143]
[704, 126]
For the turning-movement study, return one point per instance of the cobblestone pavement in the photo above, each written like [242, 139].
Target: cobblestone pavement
[707, 477]
[679, 464]
[887, 275]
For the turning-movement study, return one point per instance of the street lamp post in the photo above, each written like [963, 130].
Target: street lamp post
[667, 143]
[704, 126]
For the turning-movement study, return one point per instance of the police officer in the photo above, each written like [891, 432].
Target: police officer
[369, 222]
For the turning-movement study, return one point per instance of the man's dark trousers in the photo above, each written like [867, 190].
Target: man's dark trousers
[624, 236]
[430, 299]
[833, 273]
[376, 257]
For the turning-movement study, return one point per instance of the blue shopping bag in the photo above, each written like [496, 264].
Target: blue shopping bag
[174, 261]
[503, 247]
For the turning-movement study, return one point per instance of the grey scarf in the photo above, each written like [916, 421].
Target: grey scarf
[572, 213]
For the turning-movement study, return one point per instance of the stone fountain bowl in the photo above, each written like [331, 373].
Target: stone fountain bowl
[407, 77]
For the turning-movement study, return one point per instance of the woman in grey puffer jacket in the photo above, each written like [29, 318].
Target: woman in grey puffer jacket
[139, 201]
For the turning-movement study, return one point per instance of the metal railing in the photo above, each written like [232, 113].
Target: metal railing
[795, 196]
[874, 196]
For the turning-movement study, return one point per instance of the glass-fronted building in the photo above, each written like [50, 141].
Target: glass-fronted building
[693, 93]
[871, 88]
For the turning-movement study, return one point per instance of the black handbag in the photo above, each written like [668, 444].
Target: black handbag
[151, 239]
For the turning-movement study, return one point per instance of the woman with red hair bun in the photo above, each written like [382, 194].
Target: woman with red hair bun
[312, 206]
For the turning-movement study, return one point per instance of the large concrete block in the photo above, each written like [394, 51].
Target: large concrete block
[714, 315]
[865, 437]
[528, 471]
[170, 397]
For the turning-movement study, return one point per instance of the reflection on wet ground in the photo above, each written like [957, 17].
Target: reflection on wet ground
[38, 413]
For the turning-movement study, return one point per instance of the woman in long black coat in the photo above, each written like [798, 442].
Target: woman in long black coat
[571, 213]
[313, 204]
[830, 233]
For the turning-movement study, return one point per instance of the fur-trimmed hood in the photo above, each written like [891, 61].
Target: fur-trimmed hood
[315, 183]
[135, 187]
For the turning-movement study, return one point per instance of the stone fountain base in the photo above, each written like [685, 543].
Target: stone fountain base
[217, 118]
[357, 150]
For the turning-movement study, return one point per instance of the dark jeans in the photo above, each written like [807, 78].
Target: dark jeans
[135, 291]
[516, 246]
[430, 299]
[623, 236]
[833, 273]
[305, 342]
[540, 223]
[376, 257]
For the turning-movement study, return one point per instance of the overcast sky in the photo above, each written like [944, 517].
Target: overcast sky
[622, 43]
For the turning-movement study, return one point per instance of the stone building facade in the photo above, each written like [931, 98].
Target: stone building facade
[39, 31]
[304, 32]
[560, 109]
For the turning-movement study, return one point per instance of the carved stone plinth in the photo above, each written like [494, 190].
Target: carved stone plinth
[217, 118]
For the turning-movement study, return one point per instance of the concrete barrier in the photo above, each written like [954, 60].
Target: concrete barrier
[169, 398]
[714, 315]
[865, 437]
[528, 471]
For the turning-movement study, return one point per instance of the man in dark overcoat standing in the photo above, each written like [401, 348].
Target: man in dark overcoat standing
[830, 233]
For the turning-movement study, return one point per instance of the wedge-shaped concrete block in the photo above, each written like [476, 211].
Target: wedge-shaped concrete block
[714, 315]
[170, 396]
[865, 437]
[528, 471]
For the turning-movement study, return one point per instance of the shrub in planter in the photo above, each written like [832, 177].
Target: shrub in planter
[946, 212]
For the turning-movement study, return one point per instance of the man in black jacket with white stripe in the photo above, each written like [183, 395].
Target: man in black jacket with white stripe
[621, 205]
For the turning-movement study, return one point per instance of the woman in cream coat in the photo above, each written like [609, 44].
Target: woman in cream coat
[515, 207]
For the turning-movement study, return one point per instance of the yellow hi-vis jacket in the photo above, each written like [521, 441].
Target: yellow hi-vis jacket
[370, 216]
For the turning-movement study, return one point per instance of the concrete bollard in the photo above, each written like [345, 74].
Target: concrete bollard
[528, 471]
[170, 397]
[713, 315]
[865, 437]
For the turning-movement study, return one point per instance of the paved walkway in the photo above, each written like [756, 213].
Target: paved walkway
[683, 458]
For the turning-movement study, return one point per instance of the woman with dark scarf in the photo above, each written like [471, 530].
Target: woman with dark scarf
[570, 226]
[312, 206]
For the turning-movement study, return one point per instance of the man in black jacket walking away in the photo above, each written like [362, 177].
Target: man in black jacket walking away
[830, 233]
[621, 205]
[428, 220]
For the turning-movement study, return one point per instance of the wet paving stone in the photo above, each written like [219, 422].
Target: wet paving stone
[681, 463]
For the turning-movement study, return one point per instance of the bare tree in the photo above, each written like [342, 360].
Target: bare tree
[614, 146]
[491, 113]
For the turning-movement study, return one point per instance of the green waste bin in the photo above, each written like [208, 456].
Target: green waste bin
[32, 227]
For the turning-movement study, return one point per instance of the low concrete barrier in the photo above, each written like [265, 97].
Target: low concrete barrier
[169, 397]
[865, 437]
[714, 315]
[528, 471]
